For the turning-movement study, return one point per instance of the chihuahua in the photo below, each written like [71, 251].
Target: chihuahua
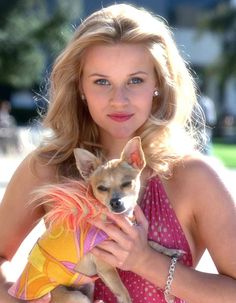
[116, 184]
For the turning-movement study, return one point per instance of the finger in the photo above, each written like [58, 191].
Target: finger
[127, 226]
[111, 246]
[123, 222]
[105, 256]
[114, 233]
[122, 230]
[140, 217]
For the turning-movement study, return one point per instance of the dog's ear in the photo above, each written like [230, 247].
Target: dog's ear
[86, 162]
[133, 153]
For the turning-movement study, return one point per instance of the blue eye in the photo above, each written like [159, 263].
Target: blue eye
[135, 80]
[102, 82]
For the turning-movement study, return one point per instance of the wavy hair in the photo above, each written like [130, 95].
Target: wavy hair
[166, 136]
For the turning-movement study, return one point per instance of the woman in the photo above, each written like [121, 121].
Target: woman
[122, 76]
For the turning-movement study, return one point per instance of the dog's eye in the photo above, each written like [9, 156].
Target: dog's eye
[126, 184]
[102, 188]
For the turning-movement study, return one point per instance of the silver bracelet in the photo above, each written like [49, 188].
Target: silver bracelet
[167, 295]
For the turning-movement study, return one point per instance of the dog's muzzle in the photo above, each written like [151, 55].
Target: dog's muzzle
[117, 205]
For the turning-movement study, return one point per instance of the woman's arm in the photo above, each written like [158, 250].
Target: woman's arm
[4, 285]
[214, 222]
[17, 216]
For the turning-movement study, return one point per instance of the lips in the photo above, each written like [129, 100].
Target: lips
[120, 117]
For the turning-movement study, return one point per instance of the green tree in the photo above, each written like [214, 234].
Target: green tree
[222, 21]
[32, 32]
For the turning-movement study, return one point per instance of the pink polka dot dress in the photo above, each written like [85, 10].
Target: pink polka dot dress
[165, 229]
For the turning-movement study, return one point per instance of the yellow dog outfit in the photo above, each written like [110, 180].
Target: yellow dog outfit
[53, 258]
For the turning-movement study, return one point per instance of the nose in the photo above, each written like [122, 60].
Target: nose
[116, 205]
[119, 96]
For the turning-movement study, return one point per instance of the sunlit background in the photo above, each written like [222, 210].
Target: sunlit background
[33, 32]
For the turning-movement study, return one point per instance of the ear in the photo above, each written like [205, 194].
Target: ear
[86, 162]
[133, 153]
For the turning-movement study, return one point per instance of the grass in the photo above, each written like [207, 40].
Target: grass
[226, 153]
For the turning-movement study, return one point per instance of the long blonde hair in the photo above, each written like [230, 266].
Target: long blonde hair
[169, 124]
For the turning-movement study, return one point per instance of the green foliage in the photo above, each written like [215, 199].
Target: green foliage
[219, 20]
[222, 21]
[32, 33]
[226, 153]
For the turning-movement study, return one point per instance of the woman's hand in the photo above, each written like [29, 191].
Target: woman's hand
[128, 246]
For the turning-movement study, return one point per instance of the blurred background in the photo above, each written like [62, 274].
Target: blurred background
[33, 32]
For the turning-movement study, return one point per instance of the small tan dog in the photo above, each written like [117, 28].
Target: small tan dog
[116, 184]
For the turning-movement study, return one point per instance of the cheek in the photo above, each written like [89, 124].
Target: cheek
[93, 109]
[146, 107]
[96, 102]
[131, 192]
[146, 100]
[102, 197]
[95, 105]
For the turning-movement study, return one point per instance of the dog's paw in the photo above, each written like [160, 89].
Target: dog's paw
[178, 253]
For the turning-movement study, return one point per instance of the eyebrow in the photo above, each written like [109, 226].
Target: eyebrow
[106, 76]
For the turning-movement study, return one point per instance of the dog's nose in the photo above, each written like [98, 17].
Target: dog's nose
[116, 205]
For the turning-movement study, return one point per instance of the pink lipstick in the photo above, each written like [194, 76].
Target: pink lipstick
[120, 117]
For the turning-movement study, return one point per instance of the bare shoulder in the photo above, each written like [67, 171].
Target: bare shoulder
[36, 169]
[29, 175]
[17, 215]
[204, 185]
[201, 183]
[201, 174]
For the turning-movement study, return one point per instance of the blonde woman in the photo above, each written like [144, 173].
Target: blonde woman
[122, 76]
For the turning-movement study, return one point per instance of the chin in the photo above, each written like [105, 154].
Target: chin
[123, 135]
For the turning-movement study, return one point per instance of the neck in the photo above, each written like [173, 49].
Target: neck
[113, 147]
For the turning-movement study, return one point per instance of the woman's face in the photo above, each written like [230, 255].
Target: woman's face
[118, 82]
